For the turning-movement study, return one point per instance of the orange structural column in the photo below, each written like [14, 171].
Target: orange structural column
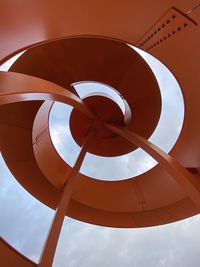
[49, 249]
[181, 175]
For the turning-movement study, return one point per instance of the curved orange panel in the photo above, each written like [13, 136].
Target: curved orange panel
[12, 258]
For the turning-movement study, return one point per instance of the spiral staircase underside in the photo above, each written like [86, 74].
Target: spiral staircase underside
[68, 42]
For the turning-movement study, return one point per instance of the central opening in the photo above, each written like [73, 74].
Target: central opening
[108, 106]
[85, 88]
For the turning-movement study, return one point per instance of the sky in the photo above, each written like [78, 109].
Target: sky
[25, 221]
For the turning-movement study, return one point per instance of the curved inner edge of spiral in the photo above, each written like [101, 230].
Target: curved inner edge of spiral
[138, 161]
[134, 163]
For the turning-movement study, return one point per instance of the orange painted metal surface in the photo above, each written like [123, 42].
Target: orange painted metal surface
[110, 62]
[12, 258]
[170, 31]
[16, 87]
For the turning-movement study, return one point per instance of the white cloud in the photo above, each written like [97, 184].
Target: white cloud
[170, 245]
[24, 220]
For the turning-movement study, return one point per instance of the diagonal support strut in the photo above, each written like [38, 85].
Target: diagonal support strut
[179, 173]
[49, 248]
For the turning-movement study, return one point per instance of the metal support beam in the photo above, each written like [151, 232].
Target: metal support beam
[49, 248]
[180, 174]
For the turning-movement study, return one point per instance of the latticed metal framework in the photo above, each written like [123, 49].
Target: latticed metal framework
[73, 41]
